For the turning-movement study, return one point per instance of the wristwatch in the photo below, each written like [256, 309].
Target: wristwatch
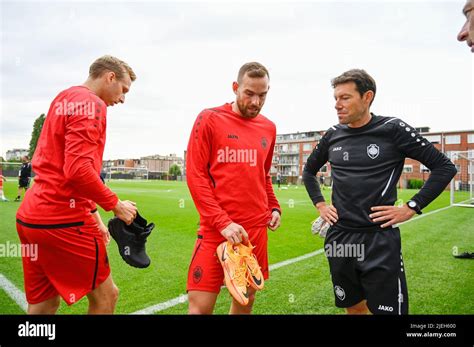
[414, 206]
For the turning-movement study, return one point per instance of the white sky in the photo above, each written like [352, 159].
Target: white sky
[186, 55]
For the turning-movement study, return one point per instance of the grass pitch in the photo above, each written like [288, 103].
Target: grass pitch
[437, 282]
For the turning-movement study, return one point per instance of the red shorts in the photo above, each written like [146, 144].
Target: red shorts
[205, 271]
[70, 261]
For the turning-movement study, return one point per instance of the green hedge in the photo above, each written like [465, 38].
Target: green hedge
[415, 184]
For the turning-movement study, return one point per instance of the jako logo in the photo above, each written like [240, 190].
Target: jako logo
[386, 308]
[37, 330]
[228, 155]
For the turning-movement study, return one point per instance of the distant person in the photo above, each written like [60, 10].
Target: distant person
[103, 176]
[58, 213]
[278, 179]
[24, 176]
[2, 179]
[467, 30]
[228, 165]
[367, 154]
[321, 181]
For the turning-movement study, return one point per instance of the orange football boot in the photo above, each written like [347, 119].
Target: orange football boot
[235, 272]
[254, 272]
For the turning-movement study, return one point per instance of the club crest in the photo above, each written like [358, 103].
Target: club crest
[373, 151]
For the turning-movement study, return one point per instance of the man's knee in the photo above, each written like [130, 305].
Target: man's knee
[199, 309]
[49, 306]
[201, 302]
[360, 308]
[114, 295]
[104, 300]
[251, 299]
[54, 305]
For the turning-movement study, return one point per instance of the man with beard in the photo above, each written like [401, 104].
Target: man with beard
[228, 174]
[467, 31]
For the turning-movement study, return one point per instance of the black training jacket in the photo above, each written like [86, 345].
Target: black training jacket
[366, 164]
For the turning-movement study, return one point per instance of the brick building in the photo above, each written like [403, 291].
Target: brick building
[292, 151]
[450, 143]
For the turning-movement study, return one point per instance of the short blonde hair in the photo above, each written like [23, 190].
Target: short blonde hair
[253, 70]
[110, 63]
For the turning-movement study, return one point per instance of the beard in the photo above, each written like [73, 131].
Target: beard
[246, 112]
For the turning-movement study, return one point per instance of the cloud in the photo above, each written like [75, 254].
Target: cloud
[186, 56]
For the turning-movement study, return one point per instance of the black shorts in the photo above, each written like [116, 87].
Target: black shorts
[368, 266]
[24, 183]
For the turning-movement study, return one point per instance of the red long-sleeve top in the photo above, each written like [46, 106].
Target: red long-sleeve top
[67, 162]
[228, 165]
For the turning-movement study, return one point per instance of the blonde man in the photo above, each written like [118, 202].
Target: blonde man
[58, 213]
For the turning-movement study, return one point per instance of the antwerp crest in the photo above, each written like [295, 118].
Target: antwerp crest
[373, 151]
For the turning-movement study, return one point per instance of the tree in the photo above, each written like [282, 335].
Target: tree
[37, 126]
[174, 171]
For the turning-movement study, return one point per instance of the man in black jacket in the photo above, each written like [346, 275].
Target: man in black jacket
[367, 155]
[24, 176]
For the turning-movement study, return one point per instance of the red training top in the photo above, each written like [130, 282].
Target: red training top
[67, 162]
[227, 169]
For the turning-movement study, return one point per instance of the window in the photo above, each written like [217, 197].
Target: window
[408, 168]
[470, 138]
[424, 168]
[433, 138]
[453, 155]
[453, 139]
[307, 147]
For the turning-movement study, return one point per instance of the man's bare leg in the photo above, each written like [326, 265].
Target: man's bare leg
[237, 308]
[360, 308]
[201, 302]
[102, 300]
[49, 306]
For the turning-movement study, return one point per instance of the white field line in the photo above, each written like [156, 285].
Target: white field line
[184, 297]
[13, 292]
[19, 297]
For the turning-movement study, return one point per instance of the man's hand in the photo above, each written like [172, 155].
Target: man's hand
[126, 211]
[274, 223]
[328, 213]
[391, 214]
[235, 234]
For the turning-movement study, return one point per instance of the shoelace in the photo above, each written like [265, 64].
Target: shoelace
[250, 258]
[240, 273]
[252, 263]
